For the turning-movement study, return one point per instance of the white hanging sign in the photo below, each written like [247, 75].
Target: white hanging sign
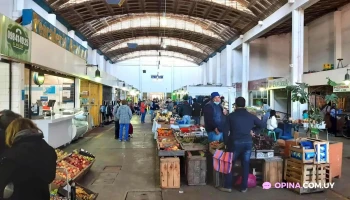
[341, 88]
[278, 83]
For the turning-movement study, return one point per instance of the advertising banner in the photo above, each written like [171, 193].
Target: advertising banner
[40, 26]
[15, 40]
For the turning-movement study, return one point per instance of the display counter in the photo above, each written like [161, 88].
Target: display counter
[57, 129]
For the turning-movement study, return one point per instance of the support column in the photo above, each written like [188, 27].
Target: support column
[228, 65]
[77, 93]
[218, 68]
[51, 18]
[84, 44]
[337, 37]
[94, 57]
[245, 70]
[17, 100]
[71, 34]
[210, 71]
[297, 56]
[272, 99]
[204, 68]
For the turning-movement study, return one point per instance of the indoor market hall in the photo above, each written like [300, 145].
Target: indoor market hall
[174, 99]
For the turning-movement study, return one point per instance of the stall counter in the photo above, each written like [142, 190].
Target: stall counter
[57, 129]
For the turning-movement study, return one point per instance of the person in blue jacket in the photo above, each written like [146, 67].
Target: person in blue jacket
[214, 118]
[239, 142]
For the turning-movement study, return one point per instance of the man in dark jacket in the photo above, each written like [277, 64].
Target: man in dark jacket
[196, 111]
[213, 118]
[6, 117]
[185, 111]
[239, 141]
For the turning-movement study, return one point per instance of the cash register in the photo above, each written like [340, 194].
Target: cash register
[51, 105]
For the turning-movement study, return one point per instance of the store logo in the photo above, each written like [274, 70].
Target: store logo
[311, 185]
[17, 39]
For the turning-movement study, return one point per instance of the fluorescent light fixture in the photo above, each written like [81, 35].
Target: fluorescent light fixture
[132, 45]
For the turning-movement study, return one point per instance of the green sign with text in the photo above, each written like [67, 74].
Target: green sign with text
[14, 40]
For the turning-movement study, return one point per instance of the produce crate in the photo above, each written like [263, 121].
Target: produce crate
[261, 154]
[169, 172]
[164, 153]
[194, 147]
[319, 148]
[273, 170]
[84, 171]
[88, 193]
[336, 158]
[298, 154]
[196, 168]
[296, 172]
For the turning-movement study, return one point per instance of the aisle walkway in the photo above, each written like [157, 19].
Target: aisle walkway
[130, 171]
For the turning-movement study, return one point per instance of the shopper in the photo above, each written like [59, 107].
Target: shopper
[185, 112]
[29, 164]
[6, 117]
[272, 124]
[196, 111]
[124, 115]
[333, 119]
[240, 124]
[153, 107]
[170, 106]
[213, 118]
[116, 120]
[143, 111]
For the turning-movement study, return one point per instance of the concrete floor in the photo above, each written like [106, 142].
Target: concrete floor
[138, 178]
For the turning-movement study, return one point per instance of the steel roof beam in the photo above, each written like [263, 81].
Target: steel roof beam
[272, 21]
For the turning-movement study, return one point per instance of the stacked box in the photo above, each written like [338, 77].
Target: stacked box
[308, 163]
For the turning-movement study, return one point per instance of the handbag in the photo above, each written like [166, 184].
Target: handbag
[222, 161]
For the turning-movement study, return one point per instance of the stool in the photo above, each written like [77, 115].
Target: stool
[271, 133]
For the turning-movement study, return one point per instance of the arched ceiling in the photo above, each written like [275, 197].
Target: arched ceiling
[206, 24]
[115, 54]
[152, 53]
[157, 41]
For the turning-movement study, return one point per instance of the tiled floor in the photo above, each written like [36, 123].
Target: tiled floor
[138, 178]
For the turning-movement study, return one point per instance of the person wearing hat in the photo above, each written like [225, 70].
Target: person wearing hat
[214, 118]
[240, 124]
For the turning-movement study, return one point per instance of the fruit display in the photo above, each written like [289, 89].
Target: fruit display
[164, 132]
[72, 170]
[78, 161]
[59, 182]
[83, 194]
[172, 148]
[216, 145]
[61, 154]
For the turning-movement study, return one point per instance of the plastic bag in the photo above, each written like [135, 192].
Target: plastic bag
[251, 181]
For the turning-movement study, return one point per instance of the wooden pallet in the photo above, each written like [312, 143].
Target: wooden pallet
[170, 172]
[296, 172]
[196, 168]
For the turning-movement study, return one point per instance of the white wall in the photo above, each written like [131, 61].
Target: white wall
[184, 73]
[4, 86]
[269, 57]
[67, 62]
[321, 40]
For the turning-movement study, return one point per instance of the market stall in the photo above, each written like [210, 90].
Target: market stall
[70, 168]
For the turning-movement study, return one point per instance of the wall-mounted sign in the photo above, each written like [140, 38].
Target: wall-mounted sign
[156, 76]
[39, 25]
[341, 88]
[15, 40]
[44, 98]
[50, 90]
[278, 83]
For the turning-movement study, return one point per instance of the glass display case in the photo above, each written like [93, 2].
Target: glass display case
[80, 122]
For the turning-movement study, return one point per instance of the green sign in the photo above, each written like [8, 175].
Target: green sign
[14, 40]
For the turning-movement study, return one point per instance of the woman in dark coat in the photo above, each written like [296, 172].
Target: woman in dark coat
[29, 164]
